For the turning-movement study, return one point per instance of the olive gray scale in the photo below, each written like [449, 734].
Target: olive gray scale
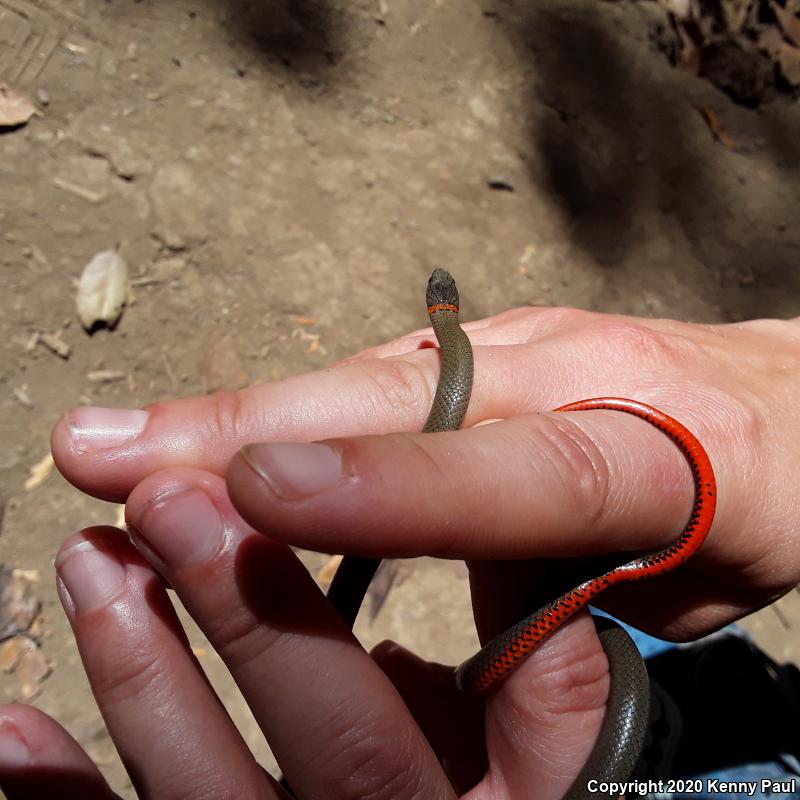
[622, 732]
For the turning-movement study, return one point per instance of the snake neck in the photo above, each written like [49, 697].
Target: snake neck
[455, 380]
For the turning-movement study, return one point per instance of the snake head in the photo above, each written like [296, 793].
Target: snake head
[442, 289]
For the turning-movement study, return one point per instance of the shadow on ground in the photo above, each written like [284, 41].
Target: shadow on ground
[621, 139]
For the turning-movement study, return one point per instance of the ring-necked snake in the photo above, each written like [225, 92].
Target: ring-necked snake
[622, 733]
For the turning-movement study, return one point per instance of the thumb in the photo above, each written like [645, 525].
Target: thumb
[593, 481]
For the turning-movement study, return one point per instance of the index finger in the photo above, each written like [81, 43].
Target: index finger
[105, 452]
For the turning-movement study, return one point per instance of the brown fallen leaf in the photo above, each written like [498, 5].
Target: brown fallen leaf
[19, 606]
[11, 652]
[715, 126]
[789, 62]
[325, 575]
[689, 53]
[312, 339]
[305, 320]
[21, 654]
[16, 108]
[771, 40]
[790, 24]
[735, 13]
[680, 9]
[32, 670]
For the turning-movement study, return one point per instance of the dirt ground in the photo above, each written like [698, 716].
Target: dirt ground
[281, 177]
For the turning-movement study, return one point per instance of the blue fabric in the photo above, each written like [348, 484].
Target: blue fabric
[745, 780]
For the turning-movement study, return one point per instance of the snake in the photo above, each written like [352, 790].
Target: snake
[622, 732]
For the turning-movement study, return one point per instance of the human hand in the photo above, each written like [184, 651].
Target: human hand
[631, 481]
[340, 723]
[532, 486]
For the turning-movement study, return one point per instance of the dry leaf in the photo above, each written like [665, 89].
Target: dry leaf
[39, 472]
[325, 575]
[689, 54]
[16, 108]
[790, 24]
[681, 9]
[32, 670]
[735, 14]
[102, 289]
[771, 41]
[19, 607]
[789, 62]
[11, 652]
[715, 126]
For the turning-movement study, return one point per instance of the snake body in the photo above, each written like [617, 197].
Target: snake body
[623, 729]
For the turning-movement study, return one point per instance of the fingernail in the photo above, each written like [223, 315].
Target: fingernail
[182, 527]
[90, 576]
[96, 428]
[13, 750]
[293, 469]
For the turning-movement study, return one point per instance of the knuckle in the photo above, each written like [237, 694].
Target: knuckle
[225, 421]
[640, 342]
[399, 384]
[374, 770]
[137, 674]
[226, 416]
[747, 419]
[577, 680]
[242, 640]
[580, 463]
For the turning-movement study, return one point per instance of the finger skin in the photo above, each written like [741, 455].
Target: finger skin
[734, 386]
[173, 735]
[539, 728]
[39, 759]
[205, 432]
[583, 483]
[483, 492]
[558, 720]
[549, 357]
[332, 719]
[380, 390]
